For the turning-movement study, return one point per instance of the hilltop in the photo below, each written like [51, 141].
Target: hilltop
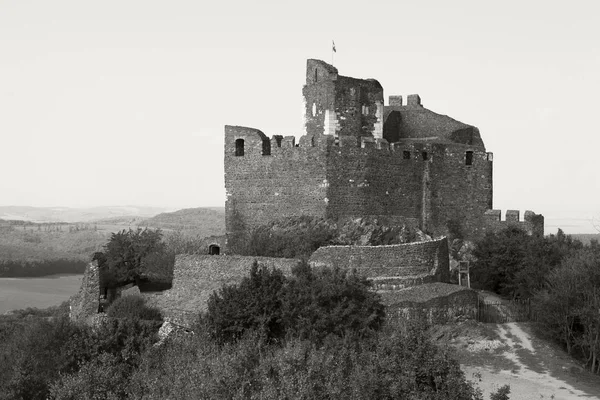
[201, 221]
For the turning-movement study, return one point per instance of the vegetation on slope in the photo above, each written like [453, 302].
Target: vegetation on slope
[560, 276]
[54, 358]
[299, 237]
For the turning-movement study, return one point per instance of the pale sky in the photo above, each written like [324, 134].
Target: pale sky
[124, 102]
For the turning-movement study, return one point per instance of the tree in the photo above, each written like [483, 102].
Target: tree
[124, 257]
[323, 302]
[511, 262]
[568, 306]
[253, 304]
[309, 305]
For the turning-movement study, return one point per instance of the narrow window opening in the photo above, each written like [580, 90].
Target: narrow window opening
[424, 155]
[312, 141]
[469, 158]
[214, 250]
[316, 76]
[266, 148]
[278, 140]
[406, 155]
[239, 147]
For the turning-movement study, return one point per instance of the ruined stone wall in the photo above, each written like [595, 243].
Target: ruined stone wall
[340, 105]
[401, 260]
[84, 304]
[195, 277]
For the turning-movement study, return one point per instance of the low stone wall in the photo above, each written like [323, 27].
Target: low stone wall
[438, 302]
[400, 260]
[195, 277]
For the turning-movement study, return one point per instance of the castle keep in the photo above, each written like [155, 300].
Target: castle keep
[358, 158]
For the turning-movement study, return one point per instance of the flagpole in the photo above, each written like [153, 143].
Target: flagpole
[333, 50]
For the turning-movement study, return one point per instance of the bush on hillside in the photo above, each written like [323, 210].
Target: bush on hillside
[393, 364]
[309, 305]
[133, 308]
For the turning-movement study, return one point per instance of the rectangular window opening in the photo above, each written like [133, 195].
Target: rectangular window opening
[424, 155]
[469, 158]
[406, 155]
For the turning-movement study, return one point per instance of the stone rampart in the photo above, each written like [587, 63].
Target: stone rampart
[418, 260]
[195, 277]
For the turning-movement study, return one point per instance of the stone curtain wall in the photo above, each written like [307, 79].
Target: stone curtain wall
[437, 302]
[84, 304]
[430, 183]
[402, 260]
[195, 277]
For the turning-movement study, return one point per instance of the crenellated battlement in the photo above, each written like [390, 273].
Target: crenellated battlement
[250, 142]
[532, 223]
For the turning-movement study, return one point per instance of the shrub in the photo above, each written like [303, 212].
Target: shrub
[309, 305]
[391, 364]
[133, 307]
[254, 304]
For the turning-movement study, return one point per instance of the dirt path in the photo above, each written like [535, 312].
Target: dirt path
[536, 371]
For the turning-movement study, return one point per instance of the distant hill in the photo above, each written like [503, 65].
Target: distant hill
[586, 238]
[200, 221]
[66, 214]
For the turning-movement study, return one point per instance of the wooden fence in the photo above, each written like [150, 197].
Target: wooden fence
[500, 312]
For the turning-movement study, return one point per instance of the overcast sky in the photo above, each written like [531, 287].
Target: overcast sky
[123, 102]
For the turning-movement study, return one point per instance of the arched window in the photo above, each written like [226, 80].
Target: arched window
[239, 147]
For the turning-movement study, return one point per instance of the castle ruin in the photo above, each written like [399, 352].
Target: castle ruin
[361, 158]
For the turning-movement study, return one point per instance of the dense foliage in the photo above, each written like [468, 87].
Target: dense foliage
[560, 275]
[567, 307]
[124, 257]
[308, 305]
[37, 350]
[394, 364]
[512, 263]
[324, 354]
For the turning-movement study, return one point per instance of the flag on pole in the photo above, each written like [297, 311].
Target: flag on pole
[333, 46]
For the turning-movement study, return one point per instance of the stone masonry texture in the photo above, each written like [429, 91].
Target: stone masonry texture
[402, 260]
